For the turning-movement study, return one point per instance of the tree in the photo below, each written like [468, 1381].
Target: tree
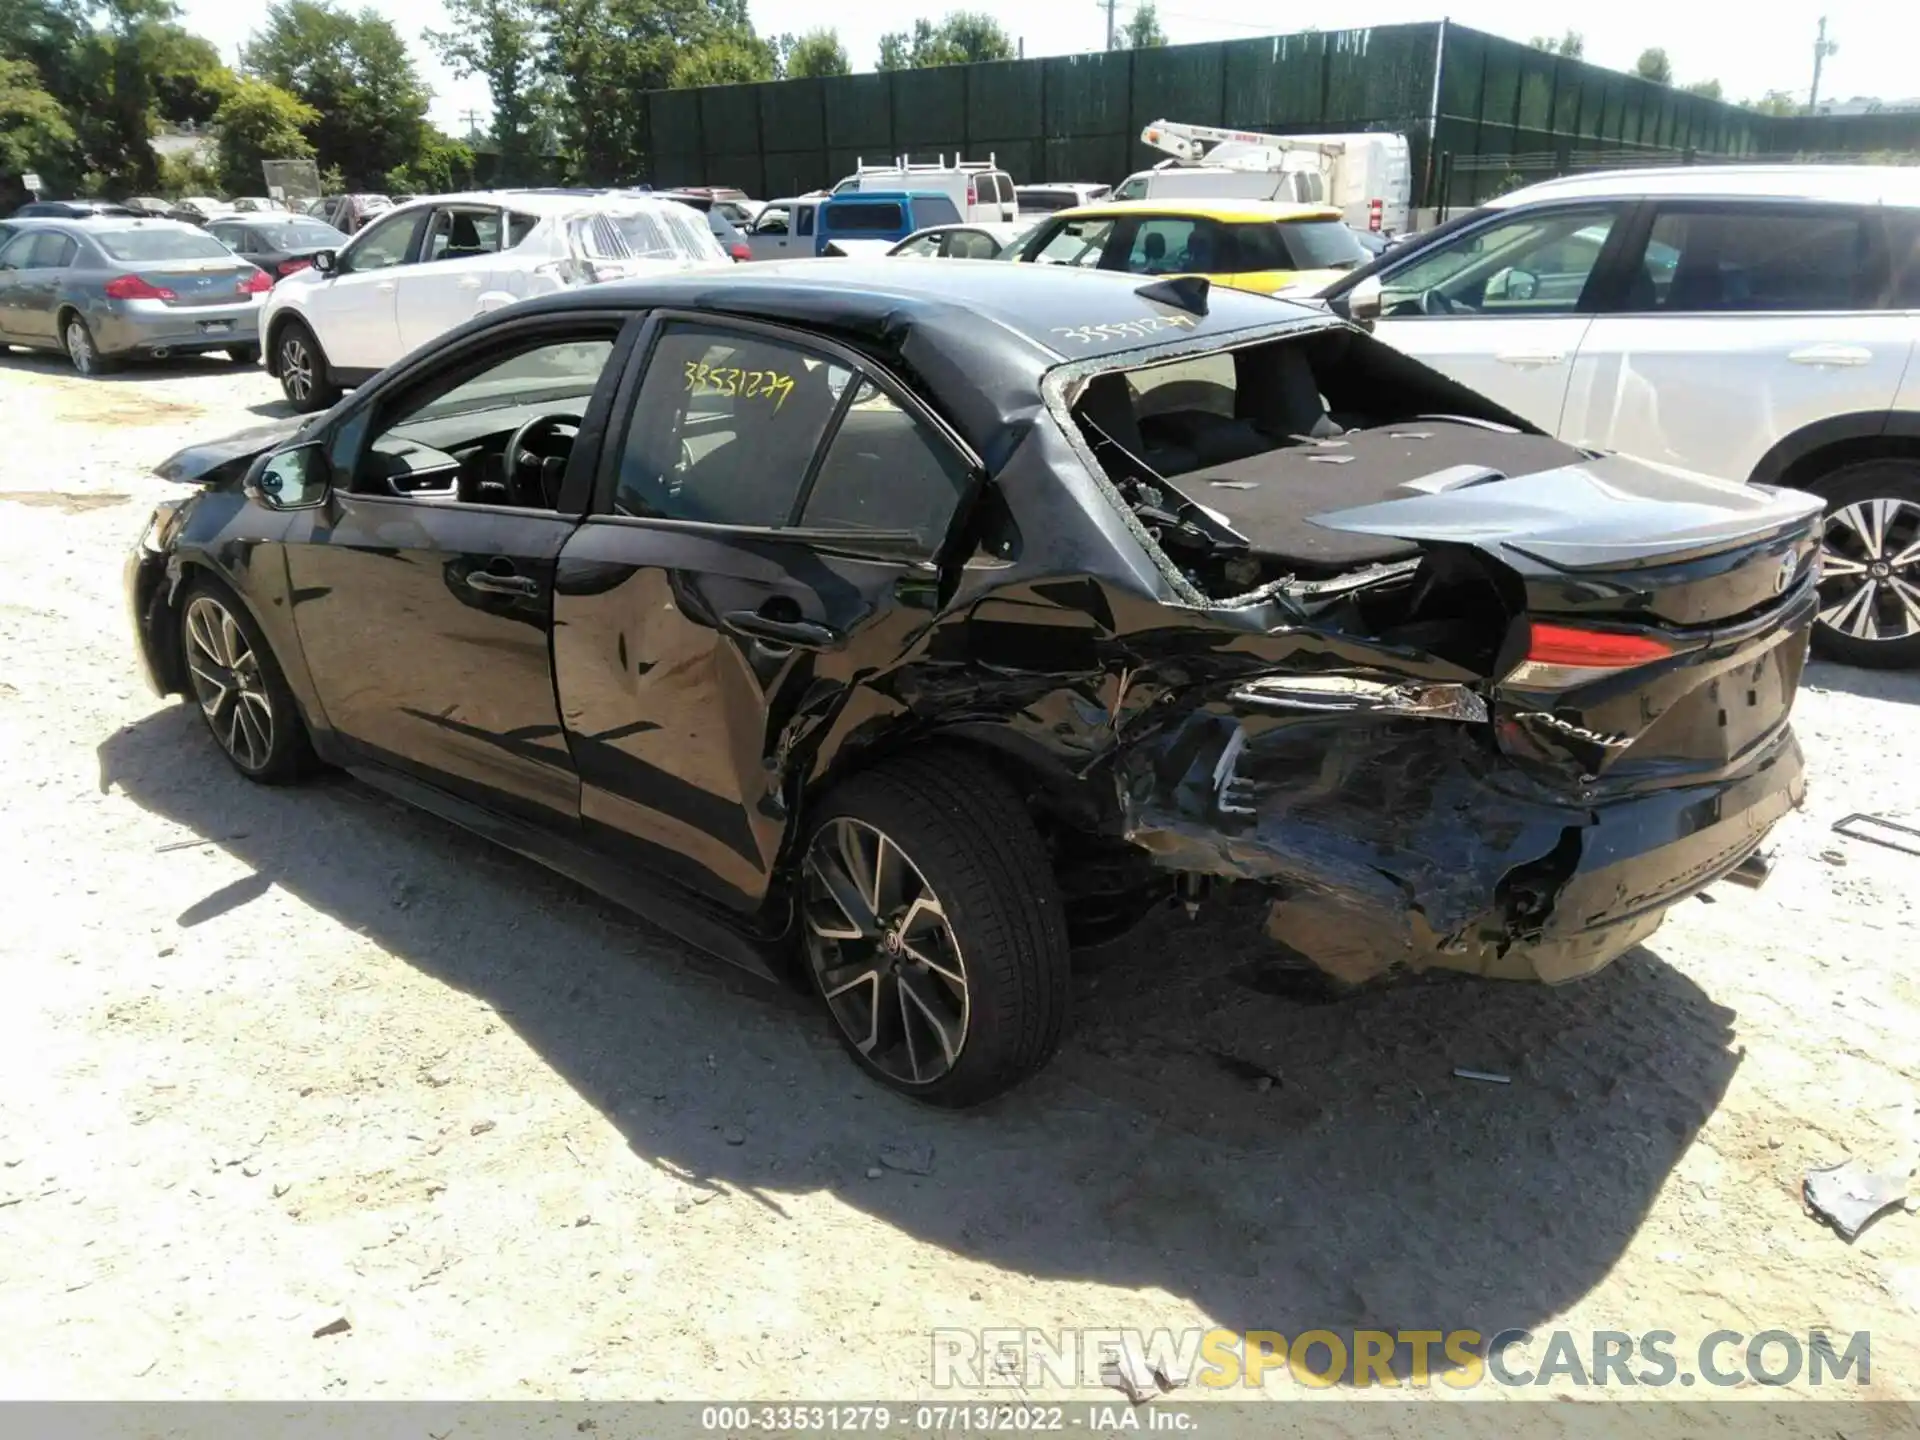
[1573, 44]
[442, 164]
[1774, 102]
[1705, 89]
[600, 54]
[260, 121]
[1142, 30]
[964, 37]
[1653, 65]
[355, 71]
[500, 40]
[818, 52]
[34, 133]
[190, 83]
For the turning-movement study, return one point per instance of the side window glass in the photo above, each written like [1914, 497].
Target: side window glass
[803, 215]
[1166, 247]
[1528, 265]
[724, 428]
[772, 221]
[884, 472]
[450, 438]
[13, 255]
[462, 234]
[922, 248]
[1076, 243]
[1131, 190]
[385, 244]
[519, 227]
[1727, 260]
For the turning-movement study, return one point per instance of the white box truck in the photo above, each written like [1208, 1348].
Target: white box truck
[1367, 175]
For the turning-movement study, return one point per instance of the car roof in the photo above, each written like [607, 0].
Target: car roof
[855, 197]
[1839, 184]
[1241, 212]
[543, 203]
[999, 229]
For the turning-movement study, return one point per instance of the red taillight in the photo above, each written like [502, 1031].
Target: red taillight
[137, 287]
[256, 282]
[287, 267]
[1559, 656]
[973, 193]
[740, 251]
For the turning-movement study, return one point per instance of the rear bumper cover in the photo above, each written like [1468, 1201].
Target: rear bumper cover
[135, 326]
[1412, 843]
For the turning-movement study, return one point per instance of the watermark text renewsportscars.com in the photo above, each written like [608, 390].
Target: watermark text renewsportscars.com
[1226, 1360]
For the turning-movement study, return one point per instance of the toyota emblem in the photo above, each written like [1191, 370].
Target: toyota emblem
[1789, 567]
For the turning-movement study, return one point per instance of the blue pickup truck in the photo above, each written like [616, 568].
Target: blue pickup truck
[871, 221]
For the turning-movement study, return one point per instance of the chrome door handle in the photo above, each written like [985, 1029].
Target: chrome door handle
[494, 584]
[385, 287]
[1531, 357]
[1831, 355]
[472, 282]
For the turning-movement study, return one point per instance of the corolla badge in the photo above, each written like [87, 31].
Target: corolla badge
[1789, 567]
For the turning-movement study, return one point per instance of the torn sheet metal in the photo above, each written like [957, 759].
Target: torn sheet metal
[1848, 1196]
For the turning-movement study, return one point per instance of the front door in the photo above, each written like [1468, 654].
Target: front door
[354, 311]
[31, 301]
[1502, 307]
[458, 256]
[711, 619]
[423, 588]
[1740, 324]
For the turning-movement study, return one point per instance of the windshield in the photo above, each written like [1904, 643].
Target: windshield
[144, 245]
[297, 234]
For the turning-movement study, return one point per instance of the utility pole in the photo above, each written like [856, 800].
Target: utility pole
[1822, 48]
[472, 117]
[1110, 6]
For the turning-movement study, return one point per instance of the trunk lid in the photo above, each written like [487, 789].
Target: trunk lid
[1657, 620]
[198, 282]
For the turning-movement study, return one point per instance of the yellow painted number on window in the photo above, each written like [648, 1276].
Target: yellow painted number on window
[736, 383]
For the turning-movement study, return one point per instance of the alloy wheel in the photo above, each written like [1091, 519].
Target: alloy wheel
[296, 369]
[883, 953]
[1870, 570]
[228, 683]
[80, 347]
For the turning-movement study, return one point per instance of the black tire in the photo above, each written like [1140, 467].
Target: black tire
[302, 366]
[964, 834]
[244, 354]
[1872, 538]
[235, 694]
[82, 353]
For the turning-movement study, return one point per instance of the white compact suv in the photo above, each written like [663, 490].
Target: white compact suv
[422, 268]
[1758, 323]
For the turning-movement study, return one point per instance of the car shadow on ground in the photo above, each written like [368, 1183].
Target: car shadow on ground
[174, 367]
[1216, 1126]
[1866, 684]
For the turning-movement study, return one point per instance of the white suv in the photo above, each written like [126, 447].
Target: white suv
[422, 268]
[1758, 323]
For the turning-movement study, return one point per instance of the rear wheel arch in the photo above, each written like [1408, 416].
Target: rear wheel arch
[1801, 460]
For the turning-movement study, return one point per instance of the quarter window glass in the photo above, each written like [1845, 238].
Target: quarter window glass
[926, 245]
[1903, 230]
[1720, 260]
[1529, 265]
[1076, 243]
[804, 220]
[725, 427]
[385, 244]
[884, 472]
[519, 227]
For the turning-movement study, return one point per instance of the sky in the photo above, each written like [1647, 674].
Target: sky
[1877, 40]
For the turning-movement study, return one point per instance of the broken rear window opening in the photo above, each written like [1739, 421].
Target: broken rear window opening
[1225, 457]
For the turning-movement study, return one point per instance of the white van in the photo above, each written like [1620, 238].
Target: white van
[1368, 175]
[981, 191]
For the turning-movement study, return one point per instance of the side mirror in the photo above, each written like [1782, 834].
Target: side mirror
[326, 261]
[290, 480]
[1363, 300]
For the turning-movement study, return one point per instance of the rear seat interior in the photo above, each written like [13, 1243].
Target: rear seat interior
[1268, 451]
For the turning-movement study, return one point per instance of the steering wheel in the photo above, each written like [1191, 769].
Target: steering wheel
[1432, 302]
[517, 455]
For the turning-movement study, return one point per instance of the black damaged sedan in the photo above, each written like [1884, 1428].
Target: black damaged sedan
[893, 632]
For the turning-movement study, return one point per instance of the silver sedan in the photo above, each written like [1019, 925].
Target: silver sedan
[103, 290]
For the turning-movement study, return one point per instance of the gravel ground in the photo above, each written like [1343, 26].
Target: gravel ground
[276, 1059]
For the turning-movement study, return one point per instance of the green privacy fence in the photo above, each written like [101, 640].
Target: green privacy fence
[1482, 114]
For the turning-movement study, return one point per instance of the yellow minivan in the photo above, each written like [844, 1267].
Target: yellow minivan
[1255, 245]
